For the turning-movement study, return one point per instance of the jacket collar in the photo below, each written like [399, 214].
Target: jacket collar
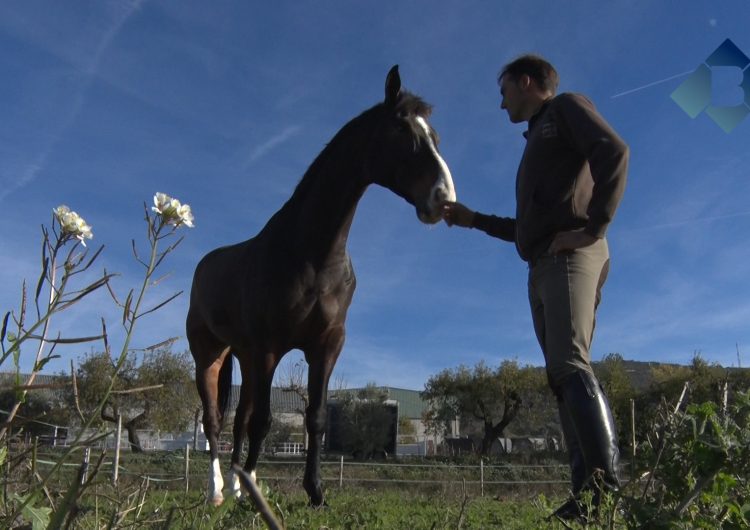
[533, 120]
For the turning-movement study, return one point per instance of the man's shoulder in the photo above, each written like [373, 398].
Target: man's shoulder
[567, 99]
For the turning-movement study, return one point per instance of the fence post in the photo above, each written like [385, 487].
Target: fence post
[187, 467]
[341, 472]
[481, 475]
[86, 456]
[33, 456]
[116, 470]
[195, 429]
[632, 430]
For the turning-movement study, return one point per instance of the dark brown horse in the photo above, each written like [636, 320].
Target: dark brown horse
[290, 286]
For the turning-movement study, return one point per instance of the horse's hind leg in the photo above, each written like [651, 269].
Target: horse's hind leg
[209, 357]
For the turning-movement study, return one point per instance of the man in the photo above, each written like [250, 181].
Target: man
[569, 182]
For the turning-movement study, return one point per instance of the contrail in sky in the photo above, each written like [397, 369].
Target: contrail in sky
[690, 221]
[39, 160]
[273, 142]
[652, 84]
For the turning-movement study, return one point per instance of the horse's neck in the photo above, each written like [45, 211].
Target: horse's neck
[327, 214]
[319, 215]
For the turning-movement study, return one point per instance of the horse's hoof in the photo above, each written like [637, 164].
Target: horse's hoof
[317, 501]
[217, 500]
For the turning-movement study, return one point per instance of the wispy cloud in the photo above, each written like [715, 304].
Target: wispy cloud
[13, 182]
[684, 222]
[123, 10]
[273, 142]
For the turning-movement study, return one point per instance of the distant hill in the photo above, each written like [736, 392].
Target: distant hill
[640, 372]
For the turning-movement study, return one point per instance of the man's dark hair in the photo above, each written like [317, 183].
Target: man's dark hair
[536, 67]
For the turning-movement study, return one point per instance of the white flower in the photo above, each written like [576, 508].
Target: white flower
[72, 224]
[172, 211]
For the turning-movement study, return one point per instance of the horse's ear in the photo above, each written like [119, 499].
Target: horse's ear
[392, 86]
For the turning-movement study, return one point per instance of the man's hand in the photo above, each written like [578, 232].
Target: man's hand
[570, 241]
[455, 213]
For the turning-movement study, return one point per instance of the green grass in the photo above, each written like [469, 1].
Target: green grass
[435, 497]
[350, 508]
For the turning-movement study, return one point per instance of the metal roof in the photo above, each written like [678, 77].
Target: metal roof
[410, 404]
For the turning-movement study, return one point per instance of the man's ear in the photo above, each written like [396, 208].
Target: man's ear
[524, 81]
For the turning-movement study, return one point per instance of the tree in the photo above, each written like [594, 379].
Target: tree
[366, 424]
[294, 380]
[537, 413]
[491, 397]
[618, 386]
[41, 409]
[171, 406]
[159, 393]
[407, 432]
[705, 382]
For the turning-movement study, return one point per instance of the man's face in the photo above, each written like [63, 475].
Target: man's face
[513, 99]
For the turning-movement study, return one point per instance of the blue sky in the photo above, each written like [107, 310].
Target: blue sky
[225, 104]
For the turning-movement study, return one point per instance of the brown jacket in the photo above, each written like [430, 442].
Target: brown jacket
[571, 177]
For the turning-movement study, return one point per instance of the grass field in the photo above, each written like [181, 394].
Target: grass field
[349, 508]
[152, 492]
[431, 495]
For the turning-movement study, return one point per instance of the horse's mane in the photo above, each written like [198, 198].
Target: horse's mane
[346, 138]
[408, 104]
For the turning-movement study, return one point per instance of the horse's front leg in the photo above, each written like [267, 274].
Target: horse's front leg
[320, 367]
[259, 421]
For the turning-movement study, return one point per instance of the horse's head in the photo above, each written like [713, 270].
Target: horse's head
[404, 156]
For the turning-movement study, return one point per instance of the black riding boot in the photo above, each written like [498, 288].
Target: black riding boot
[570, 509]
[588, 409]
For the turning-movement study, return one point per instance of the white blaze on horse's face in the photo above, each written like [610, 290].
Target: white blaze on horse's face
[443, 190]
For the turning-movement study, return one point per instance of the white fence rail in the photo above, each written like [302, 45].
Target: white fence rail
[478, 475]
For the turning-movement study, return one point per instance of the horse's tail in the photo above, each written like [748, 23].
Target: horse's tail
[225, 387]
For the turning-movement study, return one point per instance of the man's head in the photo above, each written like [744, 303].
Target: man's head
[525, 84]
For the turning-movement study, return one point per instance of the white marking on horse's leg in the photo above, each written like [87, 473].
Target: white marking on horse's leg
[443, 190]
[215, 484]
[235, 484]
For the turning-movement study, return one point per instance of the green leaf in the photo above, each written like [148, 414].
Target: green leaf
[39, 516]
[5, 327]
[3, 454]
[42, 362]
[126, 307]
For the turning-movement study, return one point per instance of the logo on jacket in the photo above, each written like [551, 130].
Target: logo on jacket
[694, 94]
[549, 130]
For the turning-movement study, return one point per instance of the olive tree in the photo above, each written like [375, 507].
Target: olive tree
[492, 397]
[159, 393]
